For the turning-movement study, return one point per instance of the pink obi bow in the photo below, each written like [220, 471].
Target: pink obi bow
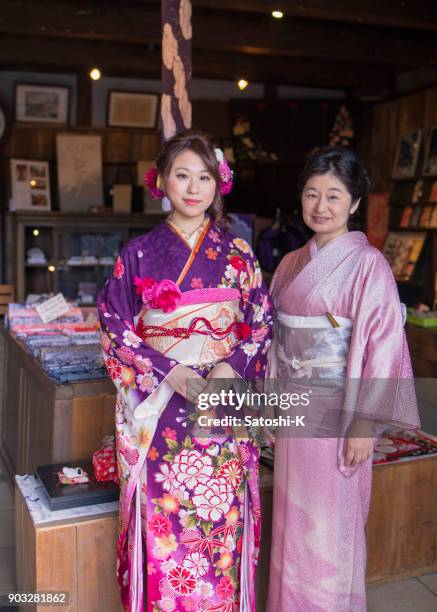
[164, 294]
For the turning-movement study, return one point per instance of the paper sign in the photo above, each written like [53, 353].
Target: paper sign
[91, 319]
[53, 308]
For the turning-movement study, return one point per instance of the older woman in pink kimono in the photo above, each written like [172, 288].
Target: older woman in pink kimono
[339, 319]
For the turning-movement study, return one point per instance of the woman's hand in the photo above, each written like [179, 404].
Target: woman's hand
[358, 446]
[357, 450]
[178, 378]
[222, 370]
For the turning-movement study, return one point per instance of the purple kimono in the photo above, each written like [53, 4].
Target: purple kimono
[339, 317]
[189, 507]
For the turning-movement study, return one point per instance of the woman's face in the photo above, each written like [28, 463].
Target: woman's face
[189, 185]
[326, 206]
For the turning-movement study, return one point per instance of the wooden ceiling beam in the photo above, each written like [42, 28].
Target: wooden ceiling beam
[117, 59]
[409, 14]
[236, 32]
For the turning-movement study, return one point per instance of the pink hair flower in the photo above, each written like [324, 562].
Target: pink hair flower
[152, 181]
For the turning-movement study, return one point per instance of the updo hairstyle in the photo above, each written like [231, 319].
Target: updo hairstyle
[200, 143]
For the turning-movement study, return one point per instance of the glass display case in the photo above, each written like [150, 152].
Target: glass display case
[69, 253]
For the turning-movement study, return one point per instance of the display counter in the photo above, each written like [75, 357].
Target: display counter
[43, 422]
[422, 342]
[46, 423]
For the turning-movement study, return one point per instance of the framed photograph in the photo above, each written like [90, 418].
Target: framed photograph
[80, 179]
[430, 163]
[402, 251]
[407, 154]
[30, 182]
[132, 109]
[41, 104]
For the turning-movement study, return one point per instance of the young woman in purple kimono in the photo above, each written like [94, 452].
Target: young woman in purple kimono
[339, 331]
[185, 301]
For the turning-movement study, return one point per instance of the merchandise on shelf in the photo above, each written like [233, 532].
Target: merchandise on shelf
[68, 348]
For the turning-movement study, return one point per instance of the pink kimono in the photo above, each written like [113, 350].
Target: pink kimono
[320, 505]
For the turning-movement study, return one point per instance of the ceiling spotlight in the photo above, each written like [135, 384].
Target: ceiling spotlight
[242, 84]
[35, 232]
[277, 14]
[95, 74]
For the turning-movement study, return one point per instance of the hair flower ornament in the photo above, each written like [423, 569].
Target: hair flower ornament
[154, 183]
[226, 182]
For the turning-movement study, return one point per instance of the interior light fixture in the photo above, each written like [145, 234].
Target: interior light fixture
[33, 183]
[95, 74]
[51, 268]
[277, 14]
[242, 84]
[35, 232]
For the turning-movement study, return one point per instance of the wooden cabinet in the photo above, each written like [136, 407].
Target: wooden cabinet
[61, 237]
[422, 343]
[47, 423]
[78, 557]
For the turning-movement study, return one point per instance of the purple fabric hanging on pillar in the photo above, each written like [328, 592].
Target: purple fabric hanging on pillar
[176, 66]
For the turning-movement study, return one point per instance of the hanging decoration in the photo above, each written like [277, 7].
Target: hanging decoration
[342, 133]
[176, 66]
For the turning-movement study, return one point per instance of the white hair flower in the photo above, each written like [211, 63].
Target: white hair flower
[219, 155]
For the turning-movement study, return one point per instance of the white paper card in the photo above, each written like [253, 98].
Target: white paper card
[91, 319]
[53, 308]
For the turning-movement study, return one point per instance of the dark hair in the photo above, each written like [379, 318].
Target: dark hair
[201, 144]
[344, 163]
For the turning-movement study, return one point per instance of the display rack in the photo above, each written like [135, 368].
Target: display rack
[60, 236]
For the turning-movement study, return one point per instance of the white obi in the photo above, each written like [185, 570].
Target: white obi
[310, 347]
[198, 350]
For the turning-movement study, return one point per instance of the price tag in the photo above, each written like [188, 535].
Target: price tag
[53, 308]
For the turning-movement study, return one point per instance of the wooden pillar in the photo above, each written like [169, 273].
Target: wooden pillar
[84, 99]
[176, 66]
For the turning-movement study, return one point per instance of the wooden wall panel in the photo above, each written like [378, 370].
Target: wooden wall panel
[411, 112]
[92, 418]
[98, 588]
[383, 124]
[402, 527]
[59, 545]
[25, 547]
[118, 146]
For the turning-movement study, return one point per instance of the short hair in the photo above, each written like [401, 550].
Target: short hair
[344, 163]
[200, 143]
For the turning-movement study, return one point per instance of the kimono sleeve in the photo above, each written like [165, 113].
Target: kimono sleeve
[138, 371]
[380, 379]
[250, 356]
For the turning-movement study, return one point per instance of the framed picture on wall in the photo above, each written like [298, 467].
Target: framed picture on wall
[41, 103]
[30, 185]
[430, 162]
[80, 176]
[132, 109]
[407, 154]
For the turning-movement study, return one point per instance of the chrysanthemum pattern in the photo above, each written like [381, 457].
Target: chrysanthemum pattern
[191, 468]
[213, 500]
